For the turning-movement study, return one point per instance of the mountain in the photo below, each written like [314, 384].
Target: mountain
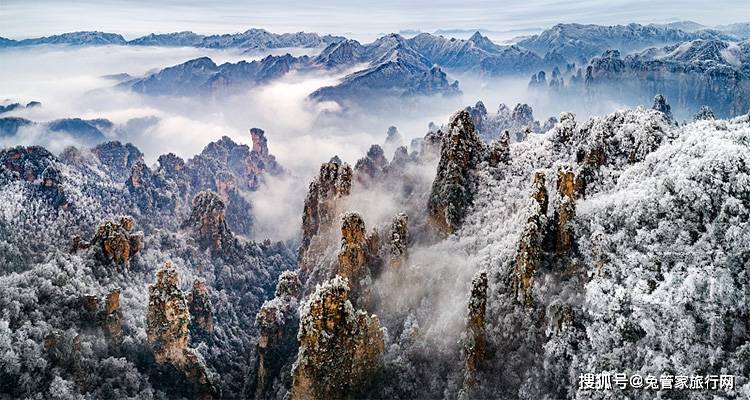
[341, 54]
[250, 39]
[104, 226]
[585, 248]
[202, 76]
[9, 125]
[740, 30]
[691, 74]
[83, 38]
[477, 53]
[87, 131]
[82, 131]
[398, 66]
[576, 42]
[18, 106]
[687, 26]
[394, 68]
[184, 38]
[398, 71]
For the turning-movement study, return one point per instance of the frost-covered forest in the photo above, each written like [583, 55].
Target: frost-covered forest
[427, 200]
[456, 268]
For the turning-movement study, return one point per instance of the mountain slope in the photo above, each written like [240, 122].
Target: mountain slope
[580, 42]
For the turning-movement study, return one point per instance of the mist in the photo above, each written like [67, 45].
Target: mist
[72, 82]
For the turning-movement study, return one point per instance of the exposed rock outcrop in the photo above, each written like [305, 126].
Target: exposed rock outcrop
[399, 241]
[201, 311]
[475, 348]
[167, 325]
[705, 114]
[168, 317]
[566, 188]
[353, 259]
[149, 190]
[207, 223]
[393, 140]
[489, 126]
[260, 143]
[430, 145]
[564, 129]
[38, 167]
[660, 104]
[322, 203]
[549, 124]
[278, 321]
[113, 318]
[454, 187]
[529, 253]
[117, 159]
[116, 242]
[371, 166]
[340, 347]
[499, 150]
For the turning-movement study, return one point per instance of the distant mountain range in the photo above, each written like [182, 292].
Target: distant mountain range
[421, 65]
[250, 39]
[692, 74]
[576, 42]
[91, 131]
[394, 65]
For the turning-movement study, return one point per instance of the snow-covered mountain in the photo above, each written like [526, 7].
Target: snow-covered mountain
[690, 74]
[250, 39]
[577, 42]
[83, 38]
[202, 76]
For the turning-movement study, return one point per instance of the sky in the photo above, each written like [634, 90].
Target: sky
[360, 19]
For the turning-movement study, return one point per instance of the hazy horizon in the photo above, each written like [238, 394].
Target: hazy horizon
[363, 21]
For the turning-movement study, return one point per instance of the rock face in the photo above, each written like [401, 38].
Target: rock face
[116, 242]
[113, 318]
[399, 241]
[339, 348]
[529, 253]
[475, 347]
[260, 143]
[168, 317]
[704, 114]
[564, 129]
[660, 104]
[38, 167]
[278, 321]
[371, 166]
[150, 191]
[580, 42]
[516, 121]
[499, 150]
[691, 74]
[566, 189]
[117, 158]
[167, 325]
[353, 258]
[453, 189]
[207, 222]
[203, 76]
[333, 183]
[201, 311]
[393, 140]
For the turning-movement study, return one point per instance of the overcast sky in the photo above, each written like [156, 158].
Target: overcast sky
[358, 18]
